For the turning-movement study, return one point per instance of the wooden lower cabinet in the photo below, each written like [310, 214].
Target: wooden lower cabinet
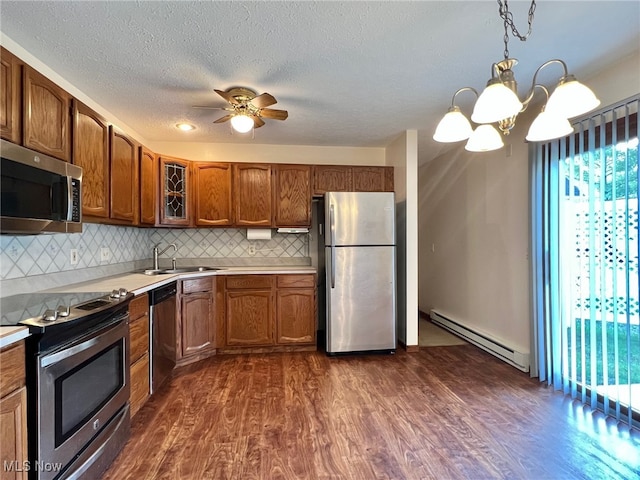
[13, 411]
[296, 310]
[139, 383]
[196, 332]
[269, 313]
[249, 318]
[139, 351]
[296, 315]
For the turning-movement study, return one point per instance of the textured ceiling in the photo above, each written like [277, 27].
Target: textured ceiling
[349, 73]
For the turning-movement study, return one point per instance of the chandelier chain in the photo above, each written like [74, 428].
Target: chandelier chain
[507, 16]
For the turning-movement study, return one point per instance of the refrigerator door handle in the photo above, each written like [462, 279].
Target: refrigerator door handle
[332, 228]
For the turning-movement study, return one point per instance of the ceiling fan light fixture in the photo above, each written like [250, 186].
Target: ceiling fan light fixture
[484, 139]
[185, 127]
[454, 127]
[242, 123]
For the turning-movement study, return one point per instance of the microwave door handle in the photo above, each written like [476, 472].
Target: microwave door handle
[69, 199]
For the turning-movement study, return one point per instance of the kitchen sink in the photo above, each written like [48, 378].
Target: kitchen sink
[173, 271]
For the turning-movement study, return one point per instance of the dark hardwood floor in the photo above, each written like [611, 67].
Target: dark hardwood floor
[441, 413]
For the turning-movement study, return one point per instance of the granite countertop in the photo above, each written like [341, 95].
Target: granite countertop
[9, 335]
[138, 282]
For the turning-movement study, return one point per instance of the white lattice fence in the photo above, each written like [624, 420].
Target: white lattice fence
[604, 268]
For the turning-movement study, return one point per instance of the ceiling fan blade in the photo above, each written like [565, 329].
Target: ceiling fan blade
[223, 119]
[274, 114]
[263, 100]
[204, 107]
[229, 98]
[258, 122]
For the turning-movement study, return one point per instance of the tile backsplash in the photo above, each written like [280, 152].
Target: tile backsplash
[229, 242]
[28, 255]
[32, 255]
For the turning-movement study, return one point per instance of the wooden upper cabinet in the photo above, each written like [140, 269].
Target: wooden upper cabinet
[47, 115]
[331, 178]
[292, 195]
[368, 179]
[10, 95]
[175, 187]
[212, 194]
[148, 186]
[124, 176]
[91, 152]
[388, 180]
[252, 194]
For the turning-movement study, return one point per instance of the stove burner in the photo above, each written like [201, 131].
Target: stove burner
[42, 310]
[95, 304]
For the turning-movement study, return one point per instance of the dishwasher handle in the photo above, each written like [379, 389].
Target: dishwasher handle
[161, 294]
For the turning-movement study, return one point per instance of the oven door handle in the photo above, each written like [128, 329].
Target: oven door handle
[53, 358]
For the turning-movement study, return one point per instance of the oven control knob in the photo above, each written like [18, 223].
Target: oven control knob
[115, 294]
[123, 292]
[50, 315]
[63, 311]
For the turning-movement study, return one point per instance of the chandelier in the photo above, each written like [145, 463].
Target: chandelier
[499, 102]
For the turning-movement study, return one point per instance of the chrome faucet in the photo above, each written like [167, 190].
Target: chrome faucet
[156, 253]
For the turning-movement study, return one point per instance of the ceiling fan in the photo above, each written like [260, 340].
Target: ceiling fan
[248, 108]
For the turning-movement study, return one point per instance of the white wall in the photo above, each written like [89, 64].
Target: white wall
[402, 154]
[474, 226]
[229, 152]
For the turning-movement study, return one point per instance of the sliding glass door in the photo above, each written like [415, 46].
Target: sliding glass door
[588, 288]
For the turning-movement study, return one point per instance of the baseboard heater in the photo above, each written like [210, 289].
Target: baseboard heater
[512, 357]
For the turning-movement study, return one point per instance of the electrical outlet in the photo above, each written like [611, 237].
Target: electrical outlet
[73, 256]
[252, 250]
[105, 254]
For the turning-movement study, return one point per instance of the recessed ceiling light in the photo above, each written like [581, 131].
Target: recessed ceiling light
[185, 126]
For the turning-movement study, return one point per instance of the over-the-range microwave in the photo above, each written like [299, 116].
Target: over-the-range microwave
[38, 193]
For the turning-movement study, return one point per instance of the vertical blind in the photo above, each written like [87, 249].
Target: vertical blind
[585, 268]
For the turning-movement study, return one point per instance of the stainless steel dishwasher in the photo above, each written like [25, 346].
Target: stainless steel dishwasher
[162, 313]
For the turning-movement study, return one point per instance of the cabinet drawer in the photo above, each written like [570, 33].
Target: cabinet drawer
[139, 333]
[197, 285]
[12, 368]
[249, 281]
[296, 281]
[139, 383]
[139, 306]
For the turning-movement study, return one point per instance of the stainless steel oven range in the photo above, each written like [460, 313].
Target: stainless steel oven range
[78, 388]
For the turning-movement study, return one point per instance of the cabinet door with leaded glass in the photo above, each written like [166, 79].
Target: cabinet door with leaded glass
[174, 175]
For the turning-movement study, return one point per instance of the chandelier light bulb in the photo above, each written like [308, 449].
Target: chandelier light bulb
[571, 98]
[242, 123]
[496, 103]
[548, 126]
[484, 139]
[454, 127]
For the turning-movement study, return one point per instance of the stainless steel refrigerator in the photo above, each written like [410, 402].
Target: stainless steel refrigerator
[360, 272]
